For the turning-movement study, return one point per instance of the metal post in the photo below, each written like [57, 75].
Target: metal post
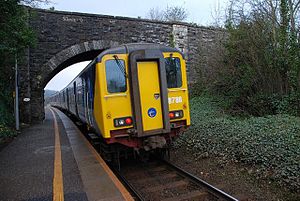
[17, 95]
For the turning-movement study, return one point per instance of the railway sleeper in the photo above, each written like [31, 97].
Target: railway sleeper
[194, 195]
[164, 178]
[176, 184]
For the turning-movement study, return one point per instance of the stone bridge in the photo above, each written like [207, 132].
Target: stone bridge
[65, 38]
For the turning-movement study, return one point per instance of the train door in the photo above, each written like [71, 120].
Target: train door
[89, 100]
[149, 92]
[75, 98]
[64, 102]
[68, 99]
[149, 88]
[84, 98]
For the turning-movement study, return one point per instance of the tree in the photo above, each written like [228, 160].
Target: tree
[156, 14]
[170, 13]
[261, 58]
[175, 14]
[217, 15]
[15, 37]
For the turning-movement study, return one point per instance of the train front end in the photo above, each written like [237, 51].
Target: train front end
[141, 95]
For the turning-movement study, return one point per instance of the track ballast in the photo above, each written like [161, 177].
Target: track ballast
[161, 180]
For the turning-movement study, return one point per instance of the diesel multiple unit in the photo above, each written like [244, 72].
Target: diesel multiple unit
[135, 95]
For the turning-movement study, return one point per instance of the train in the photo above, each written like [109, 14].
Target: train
[133, 95]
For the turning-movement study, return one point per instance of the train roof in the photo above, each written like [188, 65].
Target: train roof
[125, 49]
[131, 47]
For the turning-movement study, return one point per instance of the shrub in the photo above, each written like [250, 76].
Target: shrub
[271, 143]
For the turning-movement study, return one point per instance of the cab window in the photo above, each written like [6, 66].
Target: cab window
[115, 76]
[173, 72]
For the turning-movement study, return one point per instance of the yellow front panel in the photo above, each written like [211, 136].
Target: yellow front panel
[178, 97]
[150, 95]
[110, 105]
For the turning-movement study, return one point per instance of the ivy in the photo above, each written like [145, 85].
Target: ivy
[271, 144]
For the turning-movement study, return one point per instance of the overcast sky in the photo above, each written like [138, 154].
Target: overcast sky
[202, 12]
[199, 11]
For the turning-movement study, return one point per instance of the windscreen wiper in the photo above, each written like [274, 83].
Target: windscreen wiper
[120, 65]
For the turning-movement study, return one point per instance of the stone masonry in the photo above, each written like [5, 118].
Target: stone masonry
[65, 38]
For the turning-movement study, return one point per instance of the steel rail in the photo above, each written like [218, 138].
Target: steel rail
[134, 193]
[215, 191]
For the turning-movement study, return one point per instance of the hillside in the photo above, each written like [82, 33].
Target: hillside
[48, 93]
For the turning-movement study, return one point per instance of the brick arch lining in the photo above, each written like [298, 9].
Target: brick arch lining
[34, 110]
[76, 53]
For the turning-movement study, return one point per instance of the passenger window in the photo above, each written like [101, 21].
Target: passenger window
[115, 76]
[173, 72]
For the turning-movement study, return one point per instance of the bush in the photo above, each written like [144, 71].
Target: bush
[266, 104]
[257, 68]
[271, 143]
[6, 132]
[6, 105]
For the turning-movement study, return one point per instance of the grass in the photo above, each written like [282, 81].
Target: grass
[271, 144]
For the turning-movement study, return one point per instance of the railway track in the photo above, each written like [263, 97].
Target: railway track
[161, 180]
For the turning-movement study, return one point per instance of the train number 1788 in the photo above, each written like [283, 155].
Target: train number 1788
[177, 99]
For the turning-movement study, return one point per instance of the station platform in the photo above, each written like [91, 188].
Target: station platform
[54, 161]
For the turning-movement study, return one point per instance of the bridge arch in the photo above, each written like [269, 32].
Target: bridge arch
[74, 54]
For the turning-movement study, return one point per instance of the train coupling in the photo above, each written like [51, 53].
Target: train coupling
[132, 131]
[154, 142]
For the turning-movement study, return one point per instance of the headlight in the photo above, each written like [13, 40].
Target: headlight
[123, 121]
[178, 114]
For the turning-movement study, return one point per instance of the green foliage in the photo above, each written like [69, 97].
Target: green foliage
[278, 104]
[261, 61]
[271, 144]
[6, 108]
[6, 132]
[15, 36]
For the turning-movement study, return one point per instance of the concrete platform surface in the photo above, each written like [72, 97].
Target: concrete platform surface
[53, 161]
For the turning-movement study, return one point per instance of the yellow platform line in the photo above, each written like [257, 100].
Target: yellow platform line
[58, 188]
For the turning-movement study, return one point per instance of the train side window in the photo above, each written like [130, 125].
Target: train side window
[173, 72]
[115, 76]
